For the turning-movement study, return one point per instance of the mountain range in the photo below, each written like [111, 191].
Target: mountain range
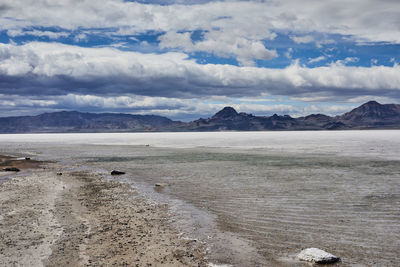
[370, 115]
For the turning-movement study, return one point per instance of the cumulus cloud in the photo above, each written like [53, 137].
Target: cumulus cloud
[174, 108]
[131, 102]
[316, 59]
[380, 16]
[330, 110]
[224, 45]
[49, 34]
[288, 53]
[302, 39]
[347, 60]
[57, 69]
[237, 28]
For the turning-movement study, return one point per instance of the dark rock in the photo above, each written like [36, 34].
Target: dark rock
[59, 173]
[114, 172]
[11, 169]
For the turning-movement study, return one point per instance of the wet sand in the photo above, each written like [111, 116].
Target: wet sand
[20, 162]
[83, 219]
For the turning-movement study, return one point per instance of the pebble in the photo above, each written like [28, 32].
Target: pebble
[11, 169]
[114, 172]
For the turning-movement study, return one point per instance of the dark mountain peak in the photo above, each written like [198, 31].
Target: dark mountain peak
[371, 110]
[275, 116]
[280, 118]
[370, 106]
[225, 113]
[371, 103]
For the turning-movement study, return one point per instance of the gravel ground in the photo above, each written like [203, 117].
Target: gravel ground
[83, 219]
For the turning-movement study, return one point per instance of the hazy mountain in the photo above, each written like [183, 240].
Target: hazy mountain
[72, 121]
[371, 115]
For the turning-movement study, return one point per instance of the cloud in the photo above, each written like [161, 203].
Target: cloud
[162, 77]
[374, 61]
[80, 37]
[302, 39]
[316, 59]
[131, 102]
[49, 34]
[56, 69]
[330, 110]
[288, 53]
[242, 27]
[224, 45]
[346, 61]
[380, 16]
[174, 108]
[260, 109]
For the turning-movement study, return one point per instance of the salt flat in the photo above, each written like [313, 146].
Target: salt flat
[266, 194]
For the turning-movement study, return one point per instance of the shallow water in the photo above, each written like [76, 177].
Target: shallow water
[258, 198]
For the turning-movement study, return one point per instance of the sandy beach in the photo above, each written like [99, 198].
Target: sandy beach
[83, 219]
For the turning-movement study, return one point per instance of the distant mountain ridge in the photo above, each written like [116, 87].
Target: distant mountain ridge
[370, 115]
[73, 121]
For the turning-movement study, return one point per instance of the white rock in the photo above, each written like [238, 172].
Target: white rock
[317, 255]
[25, 158]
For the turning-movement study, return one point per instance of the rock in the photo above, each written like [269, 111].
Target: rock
[160, 185]
[114, 172]
[11, 169]
[25, 158]
[59, 173]
[317, 255]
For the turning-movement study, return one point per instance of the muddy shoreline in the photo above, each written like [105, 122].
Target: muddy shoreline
[81, 218]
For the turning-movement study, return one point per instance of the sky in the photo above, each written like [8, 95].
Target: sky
[189, 59]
